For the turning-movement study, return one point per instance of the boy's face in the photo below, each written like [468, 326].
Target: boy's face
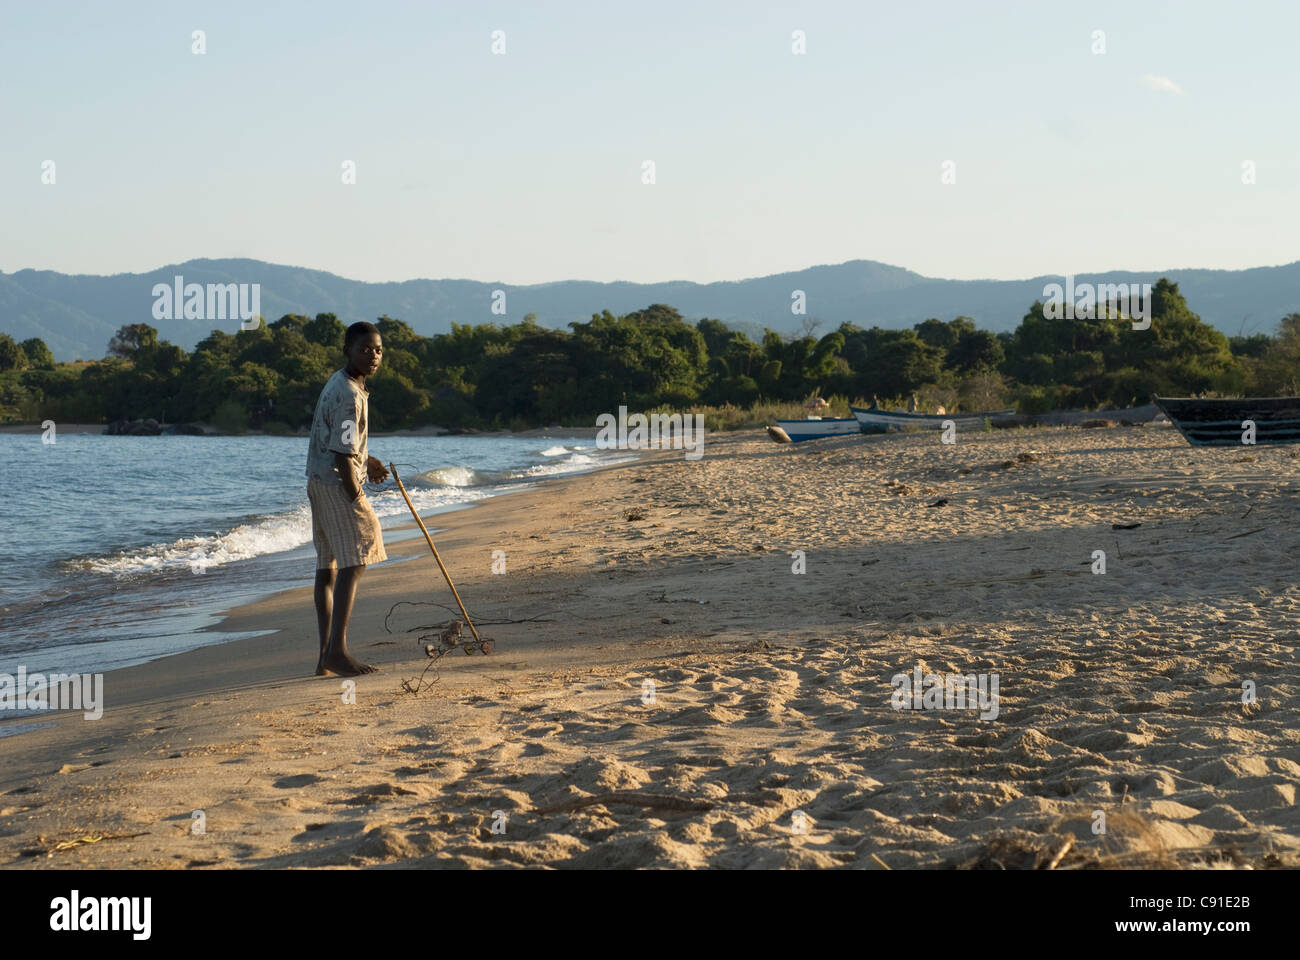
[365, 354]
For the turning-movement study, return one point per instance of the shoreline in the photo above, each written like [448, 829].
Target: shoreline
[673, 651]
[399, 538]
[97, 429]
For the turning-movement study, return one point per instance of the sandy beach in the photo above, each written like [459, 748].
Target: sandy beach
[682, 698]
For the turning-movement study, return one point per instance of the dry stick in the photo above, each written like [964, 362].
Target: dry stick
[93, 838]
[1060, 854]
[1246, 534]
[429, 540]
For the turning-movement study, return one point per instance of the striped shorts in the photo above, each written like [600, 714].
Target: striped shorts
[345, 532]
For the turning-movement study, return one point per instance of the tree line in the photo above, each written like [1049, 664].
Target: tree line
[523, 374]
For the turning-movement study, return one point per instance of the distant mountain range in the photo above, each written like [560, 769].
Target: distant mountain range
[77, 314]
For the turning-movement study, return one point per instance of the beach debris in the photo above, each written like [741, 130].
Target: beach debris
[50, 849]
[1027, 457]
[1248, 533]
[1125, 526]
[941, 502]
[420, 684]
[883, 865]
[778, 435]
[632, 514]
[1060, 854]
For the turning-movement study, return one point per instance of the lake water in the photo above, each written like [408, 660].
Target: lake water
[116, 550]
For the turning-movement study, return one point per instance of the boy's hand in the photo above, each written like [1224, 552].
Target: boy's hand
[375, 470]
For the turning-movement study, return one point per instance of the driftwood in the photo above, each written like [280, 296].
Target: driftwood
[1060, 854]
[52, 848]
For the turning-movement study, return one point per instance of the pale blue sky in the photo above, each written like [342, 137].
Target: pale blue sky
[526, 167]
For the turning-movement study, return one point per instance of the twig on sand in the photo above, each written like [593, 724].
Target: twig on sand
[883, 865]
[92, 838]
[1060, 854]
[655, 800]
[1247, 533]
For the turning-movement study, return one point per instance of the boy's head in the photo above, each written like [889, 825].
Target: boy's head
[364, 348]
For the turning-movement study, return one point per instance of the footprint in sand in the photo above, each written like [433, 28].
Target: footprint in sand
[374, 794]
[297, 780]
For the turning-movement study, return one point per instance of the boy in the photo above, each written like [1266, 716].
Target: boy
[345, 529]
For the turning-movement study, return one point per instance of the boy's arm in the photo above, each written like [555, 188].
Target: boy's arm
[344, 464]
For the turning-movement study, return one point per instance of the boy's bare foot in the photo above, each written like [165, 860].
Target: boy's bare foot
[343, 666]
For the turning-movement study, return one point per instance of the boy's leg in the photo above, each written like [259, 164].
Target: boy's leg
[335, 658]
[324, 606]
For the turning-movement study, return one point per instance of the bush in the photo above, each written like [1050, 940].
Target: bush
[11, 355]
[230, 417]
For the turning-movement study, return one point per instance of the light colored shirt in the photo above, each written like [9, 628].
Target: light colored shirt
[340, 425]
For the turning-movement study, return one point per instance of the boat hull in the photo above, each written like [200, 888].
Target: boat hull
[801, 430]
[1218, 423]
[885, 421]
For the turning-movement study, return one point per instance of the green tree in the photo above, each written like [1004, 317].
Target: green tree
[975, 351]
[325, 331]
[130, 338]
[38, 354]
[12, 356]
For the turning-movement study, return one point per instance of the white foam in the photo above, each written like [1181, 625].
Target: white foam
[269, 535]
[451, 476]
[274, 534]
[554, 451]
[571, 464]
[286, 531]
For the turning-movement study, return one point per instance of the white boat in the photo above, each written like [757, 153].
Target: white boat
[814, 428]
[885, 421]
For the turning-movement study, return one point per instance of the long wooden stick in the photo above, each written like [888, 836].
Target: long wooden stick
[429, 540]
